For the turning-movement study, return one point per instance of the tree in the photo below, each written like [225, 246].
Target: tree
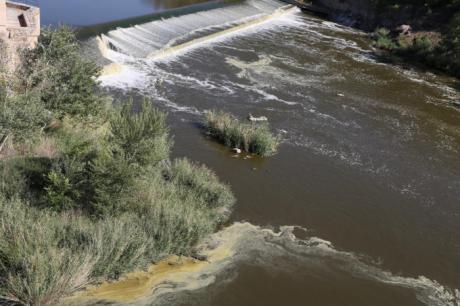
[64, 79]
[22, 116]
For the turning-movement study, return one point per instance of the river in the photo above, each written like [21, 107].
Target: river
[368, 171]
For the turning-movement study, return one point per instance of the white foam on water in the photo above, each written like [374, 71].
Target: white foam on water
[249, 28]
[187, 79]
[127, 77]
[332, 119]
[350, 158]
[167, 37]
[181, 108]
[340, 28]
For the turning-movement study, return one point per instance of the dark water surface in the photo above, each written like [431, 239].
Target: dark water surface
[90, 12]
[369, 160]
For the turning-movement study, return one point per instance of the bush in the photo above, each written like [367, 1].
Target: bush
[383, 40]
[438, 49]
[449, 49]
[142, 136]
[174, 215]
[22, 117]
[45, 256]
[95, 172]
[194, 179]
[52, 81]
[34, 269]
[23, 175]
[57, 72]
[250, 137]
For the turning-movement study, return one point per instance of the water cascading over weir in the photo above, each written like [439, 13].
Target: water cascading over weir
[161, 37]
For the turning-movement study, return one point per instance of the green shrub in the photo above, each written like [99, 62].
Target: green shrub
[194, 179]
[439, 49]
[22, 116]
[24, 176]
[251, 137]
[68, 183]
[142, 135]
[95, 172]
[34, 270]
[449, 50]
[53, 80]
[64, 80]
[12, 181]
[383, 40]
[175, 217]
[45, 256]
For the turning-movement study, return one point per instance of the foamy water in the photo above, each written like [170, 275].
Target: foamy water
[244, 243]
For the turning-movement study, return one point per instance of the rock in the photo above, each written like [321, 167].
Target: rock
[404, 29]
[456, 104]
[257, 119]
[237, 150]
[200, 257]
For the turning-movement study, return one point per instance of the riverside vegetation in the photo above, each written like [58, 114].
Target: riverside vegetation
[89, 192]
[436, 40]
[251, 137]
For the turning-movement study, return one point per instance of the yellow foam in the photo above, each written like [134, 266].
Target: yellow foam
[141, 284]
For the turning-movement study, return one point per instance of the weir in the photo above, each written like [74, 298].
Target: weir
[156, 38]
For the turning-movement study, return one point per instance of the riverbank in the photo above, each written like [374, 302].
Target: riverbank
[90, 189]
[368, 162]
[420, 34]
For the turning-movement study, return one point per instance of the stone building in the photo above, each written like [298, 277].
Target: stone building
[19, 28]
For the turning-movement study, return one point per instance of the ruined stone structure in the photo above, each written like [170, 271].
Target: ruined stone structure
[19, 28]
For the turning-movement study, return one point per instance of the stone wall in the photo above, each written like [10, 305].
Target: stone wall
[14, 33]
[3, 33]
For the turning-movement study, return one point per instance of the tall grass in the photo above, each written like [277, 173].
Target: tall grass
[191, 178]
[251, 137]
[45, 255]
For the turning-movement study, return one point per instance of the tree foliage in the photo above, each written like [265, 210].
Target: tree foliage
[64, 79]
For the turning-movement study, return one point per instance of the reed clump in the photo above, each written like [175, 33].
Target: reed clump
[251, 137]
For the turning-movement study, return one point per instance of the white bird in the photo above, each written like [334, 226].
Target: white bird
[257, 119]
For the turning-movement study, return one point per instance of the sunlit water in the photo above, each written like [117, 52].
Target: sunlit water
[369, 161]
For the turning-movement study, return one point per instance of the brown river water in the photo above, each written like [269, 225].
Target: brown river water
[361, 206]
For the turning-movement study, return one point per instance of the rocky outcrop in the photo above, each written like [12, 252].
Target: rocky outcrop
[368, 14]
[356, 13]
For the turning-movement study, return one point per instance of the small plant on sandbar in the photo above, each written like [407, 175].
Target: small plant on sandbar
[251, 137]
